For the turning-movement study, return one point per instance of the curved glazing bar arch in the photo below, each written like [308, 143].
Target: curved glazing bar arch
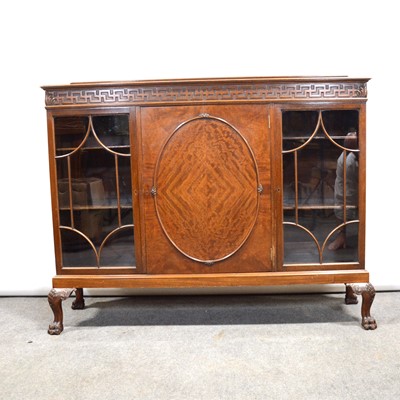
[68, 228]
[333, 140]
[337, 229]
[310, 234]
[113, 232]
[105, 147]
[81, 144]
[309, 139]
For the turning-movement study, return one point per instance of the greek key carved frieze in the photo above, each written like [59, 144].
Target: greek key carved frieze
[193, 93]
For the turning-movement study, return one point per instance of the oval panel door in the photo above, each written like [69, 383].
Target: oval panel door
[206, 189]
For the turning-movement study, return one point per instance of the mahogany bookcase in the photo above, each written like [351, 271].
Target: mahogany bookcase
[208, 183]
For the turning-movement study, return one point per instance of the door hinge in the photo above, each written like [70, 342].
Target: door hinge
[273, 255]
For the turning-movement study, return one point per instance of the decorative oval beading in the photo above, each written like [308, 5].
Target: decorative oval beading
[207, 189]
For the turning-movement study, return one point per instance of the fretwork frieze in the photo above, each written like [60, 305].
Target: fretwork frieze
[194, 93]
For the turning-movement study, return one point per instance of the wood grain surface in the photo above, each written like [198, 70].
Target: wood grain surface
[206, 164]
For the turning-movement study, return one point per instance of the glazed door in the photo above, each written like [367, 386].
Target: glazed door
[206, 189]
[323, 161]
[92, 192]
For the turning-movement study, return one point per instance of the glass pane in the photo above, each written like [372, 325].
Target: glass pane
[113, 132]
[338, 123]
[125, 182]
[95, 190]
[349, 252]
[93, 223]
[289, 182]
[297, 127]
[320, 182]
[70, 132]
[76, 250]
[118, 249]
[299, 246]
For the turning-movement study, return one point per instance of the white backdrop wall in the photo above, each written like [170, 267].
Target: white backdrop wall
[49, 42]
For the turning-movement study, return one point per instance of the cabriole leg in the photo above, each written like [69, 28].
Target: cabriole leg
[367, 291]
[351, 297]
[79, 302]
[55, 297]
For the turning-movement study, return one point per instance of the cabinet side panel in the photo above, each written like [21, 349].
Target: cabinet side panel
[54, 192]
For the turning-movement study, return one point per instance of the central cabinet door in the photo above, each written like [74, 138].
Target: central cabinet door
[207, 193]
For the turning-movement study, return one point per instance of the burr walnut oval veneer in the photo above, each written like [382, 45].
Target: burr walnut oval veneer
[208, 183]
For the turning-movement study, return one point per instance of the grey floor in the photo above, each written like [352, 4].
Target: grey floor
[201, 347]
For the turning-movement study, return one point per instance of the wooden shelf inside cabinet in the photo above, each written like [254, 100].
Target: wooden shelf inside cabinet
[317, 207]
[85, 148]
[96, 207]
[208, 183]
[317, 137]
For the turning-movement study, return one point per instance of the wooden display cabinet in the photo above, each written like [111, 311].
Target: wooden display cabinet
[208, 183]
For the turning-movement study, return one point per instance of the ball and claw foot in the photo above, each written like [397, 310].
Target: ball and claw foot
[55, 328]
[369, 323]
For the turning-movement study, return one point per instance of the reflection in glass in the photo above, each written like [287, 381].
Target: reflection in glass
[320, 185]
[298, 246]
[112, 131]
[70, 133]
[298, 127]
[346, 189]
[94, 191]
[76, 250]
[339, 122]
[114, 252]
